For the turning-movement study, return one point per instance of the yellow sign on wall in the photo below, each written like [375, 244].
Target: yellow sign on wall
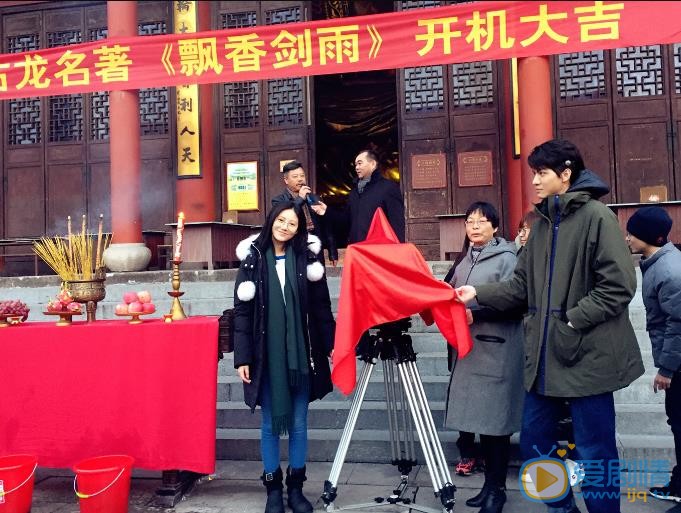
[242, 185]
[187, 96]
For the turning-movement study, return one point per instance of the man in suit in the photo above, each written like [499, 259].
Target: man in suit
[314, 209]
[372, 191]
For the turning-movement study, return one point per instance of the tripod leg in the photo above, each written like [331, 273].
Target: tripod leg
[330, 485]
[389, 383]
[408, 427]
[419, 424]
[430, 441]
[430, 423]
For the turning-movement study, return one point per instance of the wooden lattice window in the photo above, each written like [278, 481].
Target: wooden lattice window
[472, 84]
[582, 75]
[66, 111]
[99, 100]
[639, 71]
[424, 89]
[241, 99]
[154, 102]
[285, 101]
[677, 67]
[24, 119]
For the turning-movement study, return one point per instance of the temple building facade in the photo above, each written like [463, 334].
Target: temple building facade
[451, 134]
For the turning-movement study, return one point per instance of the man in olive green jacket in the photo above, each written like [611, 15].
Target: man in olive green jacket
[576, 278]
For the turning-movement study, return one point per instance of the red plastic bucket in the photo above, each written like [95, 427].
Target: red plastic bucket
[16, 483]
[103, 484]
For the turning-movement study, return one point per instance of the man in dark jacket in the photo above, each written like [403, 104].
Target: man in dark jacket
[647, 232]
[372, 191]
[300, 193]
[576, 279]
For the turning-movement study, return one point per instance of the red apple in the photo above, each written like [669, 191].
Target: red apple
[54, 306]
[121, 309]
[130, 297]
[148, 308]
[64, 297]
[135, 307]
[144, 296]
[73, 307]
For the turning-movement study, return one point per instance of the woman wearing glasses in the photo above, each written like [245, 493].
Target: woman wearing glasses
[485, 390]
[283, 333]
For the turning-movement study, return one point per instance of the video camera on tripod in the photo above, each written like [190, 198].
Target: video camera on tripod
[391, 343]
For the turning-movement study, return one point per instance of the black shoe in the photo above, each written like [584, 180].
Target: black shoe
[294, 487]
[479, 499]
[666, 493]
[273, 482]
[495, 500]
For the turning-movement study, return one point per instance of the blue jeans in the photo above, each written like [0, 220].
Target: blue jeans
[297, 430]
[593, 423]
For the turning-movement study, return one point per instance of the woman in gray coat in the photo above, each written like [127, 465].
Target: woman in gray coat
[485, 390]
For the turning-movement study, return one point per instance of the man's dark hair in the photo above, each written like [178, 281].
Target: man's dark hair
[557, 155]
[372, 155]
[294, 164]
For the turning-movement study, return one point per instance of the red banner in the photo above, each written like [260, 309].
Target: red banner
[459, 33]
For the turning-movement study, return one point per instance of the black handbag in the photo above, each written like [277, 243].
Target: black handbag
[226, 332]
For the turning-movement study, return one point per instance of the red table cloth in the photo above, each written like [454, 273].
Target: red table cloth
[109, 387]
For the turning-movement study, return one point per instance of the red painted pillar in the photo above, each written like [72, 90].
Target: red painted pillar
[196, 196]
[536, 115]
[124, 126]
[514, 187]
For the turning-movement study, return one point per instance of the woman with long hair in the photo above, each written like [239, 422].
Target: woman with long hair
[485, 389]
[283, 335]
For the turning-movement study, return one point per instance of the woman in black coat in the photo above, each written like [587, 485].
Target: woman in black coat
[283, 335]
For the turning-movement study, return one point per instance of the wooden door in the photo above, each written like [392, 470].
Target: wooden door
[642, 117]
[447, 111]
[621, 108]
[61, 143]
[584, 109]
[675, 132]
[267, 121]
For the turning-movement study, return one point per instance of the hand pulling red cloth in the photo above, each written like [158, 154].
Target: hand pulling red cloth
[385, 280]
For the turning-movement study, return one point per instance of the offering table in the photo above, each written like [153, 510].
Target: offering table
[108, 387]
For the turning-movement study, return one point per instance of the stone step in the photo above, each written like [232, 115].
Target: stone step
[373, 446]
[230, 388]
[323, 414]
[631, 419]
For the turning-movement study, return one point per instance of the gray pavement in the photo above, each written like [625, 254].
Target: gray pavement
[235, 488]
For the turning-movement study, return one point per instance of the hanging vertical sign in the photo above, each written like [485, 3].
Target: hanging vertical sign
[188, 151]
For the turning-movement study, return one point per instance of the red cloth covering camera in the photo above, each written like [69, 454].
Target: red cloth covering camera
[383, 281]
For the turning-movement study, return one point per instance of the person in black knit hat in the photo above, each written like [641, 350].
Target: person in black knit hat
[647, 232]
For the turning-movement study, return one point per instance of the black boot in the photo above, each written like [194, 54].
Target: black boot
[478, 500]
[294, 486]
[275, 491]
[495, 500]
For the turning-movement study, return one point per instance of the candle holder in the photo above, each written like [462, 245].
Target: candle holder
[176, 310]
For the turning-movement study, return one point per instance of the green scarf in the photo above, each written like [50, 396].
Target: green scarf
[286, 352]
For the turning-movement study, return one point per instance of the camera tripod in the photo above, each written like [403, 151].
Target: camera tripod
[394, 348]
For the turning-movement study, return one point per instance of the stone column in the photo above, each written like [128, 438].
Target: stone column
[127, 251]
[536, 115]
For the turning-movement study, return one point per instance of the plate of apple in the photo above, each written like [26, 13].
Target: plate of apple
[64, 306]
[134, 305]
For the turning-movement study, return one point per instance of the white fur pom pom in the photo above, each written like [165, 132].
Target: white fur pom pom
[243, 249]
[313, 243]
[315, 271]
[246, 290]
